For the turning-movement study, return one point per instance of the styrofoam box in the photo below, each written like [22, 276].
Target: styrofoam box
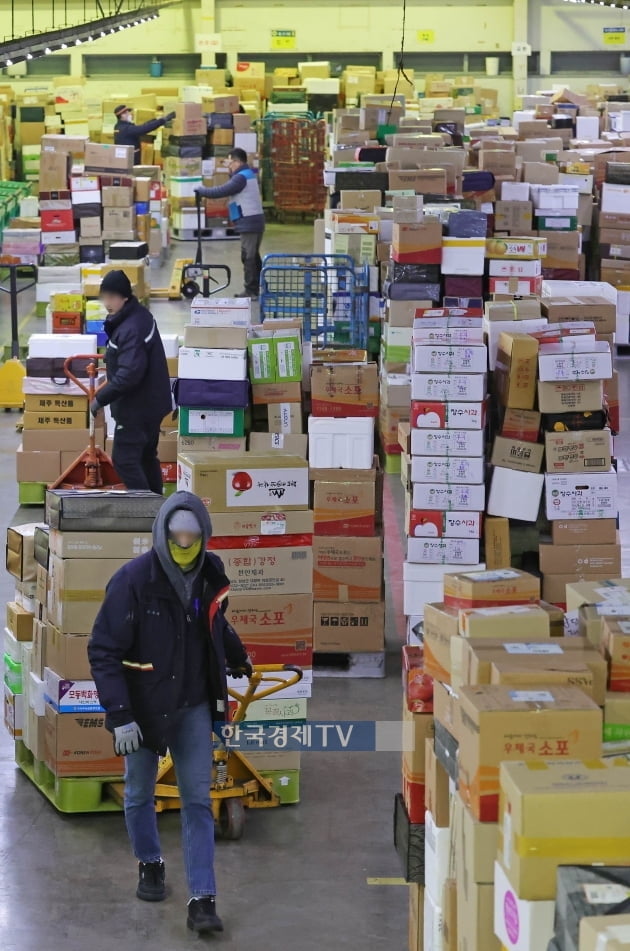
[580, 289]
[515, 494]
[440, 497]
[61, 345]
[559, 363]
[220, 312]
[455, 387]
[442, 358]
[433, 925]
[437, 844]
[447, 442]
[59, 237]
[515, 191]
[437, 551]
[171, 345]
[43, 292]
[466, 470]
[340, 443]
[11, 646]
[520, 925]
[200, 364]
[581, 495]
[60, 275]
[463, 256]
[494, 329]
[36, 694]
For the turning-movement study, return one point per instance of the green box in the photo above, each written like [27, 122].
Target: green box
[13, 675]
[32, 493]
[288, 357]
[211, 422]
[262, 360]
[550, 223]
[285, 784]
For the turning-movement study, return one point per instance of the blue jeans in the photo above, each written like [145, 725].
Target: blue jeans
[191, 749]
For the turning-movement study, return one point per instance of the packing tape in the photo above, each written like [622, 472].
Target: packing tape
[575, 851]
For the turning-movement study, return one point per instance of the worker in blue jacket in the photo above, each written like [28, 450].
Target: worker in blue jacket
[158, 654]
[126, 132]
[138, 387]
[246, 215]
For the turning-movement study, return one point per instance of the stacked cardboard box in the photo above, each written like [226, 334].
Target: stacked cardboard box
[18, 631]
[275, 372]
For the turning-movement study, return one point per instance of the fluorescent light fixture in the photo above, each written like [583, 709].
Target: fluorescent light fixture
[29, 56]
[77, 42]
[9, 62]
[64, 46]
[47, 51]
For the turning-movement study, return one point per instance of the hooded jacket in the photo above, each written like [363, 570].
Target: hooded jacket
[128, 133]
[138, 385]
[143, 661]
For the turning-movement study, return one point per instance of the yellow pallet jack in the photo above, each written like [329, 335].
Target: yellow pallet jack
[236, 783]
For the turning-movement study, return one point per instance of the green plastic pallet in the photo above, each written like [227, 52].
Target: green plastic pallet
[67, 795]
[32, 493]
[285, 783]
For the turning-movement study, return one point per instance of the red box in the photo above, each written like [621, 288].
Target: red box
[436, 524]
[414, 796]
[57, 220]
[169, 471]
[63, 323]
[435, 415]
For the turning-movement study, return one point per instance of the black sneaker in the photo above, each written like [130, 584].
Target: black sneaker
[151, 881]
[202, 915]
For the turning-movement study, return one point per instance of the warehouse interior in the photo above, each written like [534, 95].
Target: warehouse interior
[375, 257]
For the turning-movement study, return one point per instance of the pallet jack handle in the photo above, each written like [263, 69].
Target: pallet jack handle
[263, 674]
[91, 389]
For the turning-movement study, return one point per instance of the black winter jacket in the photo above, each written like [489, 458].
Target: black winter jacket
[136, 648]
[138, 386]
[128, 133]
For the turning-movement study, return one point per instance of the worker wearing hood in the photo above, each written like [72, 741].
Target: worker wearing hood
[159, 653]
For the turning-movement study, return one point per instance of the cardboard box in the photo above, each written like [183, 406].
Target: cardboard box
[428, 414]
[347, 569]
[515, 494]
[265, 393]
[60, 420]
[558, 362]
[516, 369]
[353, 626]
[497, 545]
[513, 216]
[599, 310]
[76, 591]
[517, 672]
[589, 451]
[108, 158]
[274, 629]
[449, 359]
[572, 496]
[448, 387]
[442, 497]
[582, 559]
[544, 808]
[340, 390]
[440, 551]
[516, 248]
[615, 645]
[438, 524]
[285, 418]
[474, 845]
[260, 523]
[20, 621]
[417, 728]
[513, 620]
[583, 397]
[66, 654]
[70, 696]
[440, 626]
[448, 470]
[20, 552]
[220, 364]
[245, 482]
[269, 570]
[54, 171]
[346, 505]
[89, 545]
[418, 242]
[294, 444]
[611, 932]
[436, 788]
[481, 589]
[233, 338]
[14, 713]
[595, 531]
[515, 454]
[520, 925]
[79, 745]
[498, 723]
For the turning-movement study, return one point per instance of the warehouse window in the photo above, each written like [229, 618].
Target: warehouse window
[176, 65]
[338, 61]
[598, 61]
[49, 66]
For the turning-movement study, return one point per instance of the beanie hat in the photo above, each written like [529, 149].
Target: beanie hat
[118, 111]
[116, 282]
[183, 520]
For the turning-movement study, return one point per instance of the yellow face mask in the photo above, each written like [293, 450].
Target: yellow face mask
[184, 557]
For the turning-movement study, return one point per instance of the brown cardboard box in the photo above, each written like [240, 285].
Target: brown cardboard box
[515, 454]
[416, 918]
[581, 559]
[563, 248]
[246, 524]
[521, 424]
[232, 338]
[497, 546]
[483, 589]
[518, 672]
[417, 728]
[479, 654]
[90, 545]
[276, 571]
[516, 370]
[247, 481]
[347, 569]
[609, 932]
[345, 505]
[108, 158]
[275, 629]
[117, 197]
[41, 594]
[54, 171]
[265, 393]
[223, 137]
[616, 717]
[497, 724]
[66, 654]
[589, 451]
[36, 735]
[615, 644]
[20, 552]
[295, 445]
[76, 591]
[20, 621]
[436, 787]
[475, 917]
[426, 181]
[599, 310]
[516, 621]
[500, 162]
[417, 242]
[91, 228]
[37, 466]
[361, 200]
[79, 745]
[440, 626]
[581, 397]
[474, 845]
[54, 419]
[285, 418]
[38, 657]
[445, 707]
[513, 216]
[449, 915]
[349, 389]
[73, 404]
[352, 626]
[594, 531]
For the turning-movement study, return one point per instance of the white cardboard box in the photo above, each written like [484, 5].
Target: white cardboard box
[36, 694]
[561, 363]
[441, 497]
[467, 470]
[423, 523]
[220, 312]
[442, 358]
[499, 268]
[61, 345]
[441, 415]
[464, 256]
[581, 495]
[198, 364]
[520, 925]
[515, 494]
[458, 331]
[438, 551]
[433, 925]
[494, 329]
[437, 844]
[447, 442]
[59, 237]
[424, 584]
[341, 443]
[462, 387]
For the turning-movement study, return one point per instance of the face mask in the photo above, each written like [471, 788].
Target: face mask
[184, 557]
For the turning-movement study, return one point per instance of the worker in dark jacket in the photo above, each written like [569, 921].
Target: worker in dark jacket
[138, 387]
[158, 654]
[126, 132]
[246, 214]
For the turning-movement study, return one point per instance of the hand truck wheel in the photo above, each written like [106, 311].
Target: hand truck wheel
[232, 819]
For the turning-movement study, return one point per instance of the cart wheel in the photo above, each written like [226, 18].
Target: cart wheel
[232, 819]
[190, 289]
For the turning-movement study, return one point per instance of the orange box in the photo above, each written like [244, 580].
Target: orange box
[417, 727]
[347, 569]
[79, 745]
[346, 505]
[344, 389]
[616, 648]
[63, 323]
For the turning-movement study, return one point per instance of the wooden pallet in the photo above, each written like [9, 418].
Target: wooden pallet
[350, 664]
[69, 796]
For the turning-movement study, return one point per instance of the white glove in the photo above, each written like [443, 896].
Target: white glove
[127, 739]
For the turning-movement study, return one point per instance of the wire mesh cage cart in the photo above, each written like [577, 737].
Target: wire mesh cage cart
[327, 292]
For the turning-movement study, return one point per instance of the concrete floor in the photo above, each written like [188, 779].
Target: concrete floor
[297, 881]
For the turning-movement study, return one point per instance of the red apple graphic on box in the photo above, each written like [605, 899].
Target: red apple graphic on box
[241, 482]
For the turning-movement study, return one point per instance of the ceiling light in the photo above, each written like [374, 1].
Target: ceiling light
[112, 30]
[77, 42]
[90, 38]
[63, 46]
[121, 27]
[47, 51]
[29, 56]
[103, 33]
[9, 62]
